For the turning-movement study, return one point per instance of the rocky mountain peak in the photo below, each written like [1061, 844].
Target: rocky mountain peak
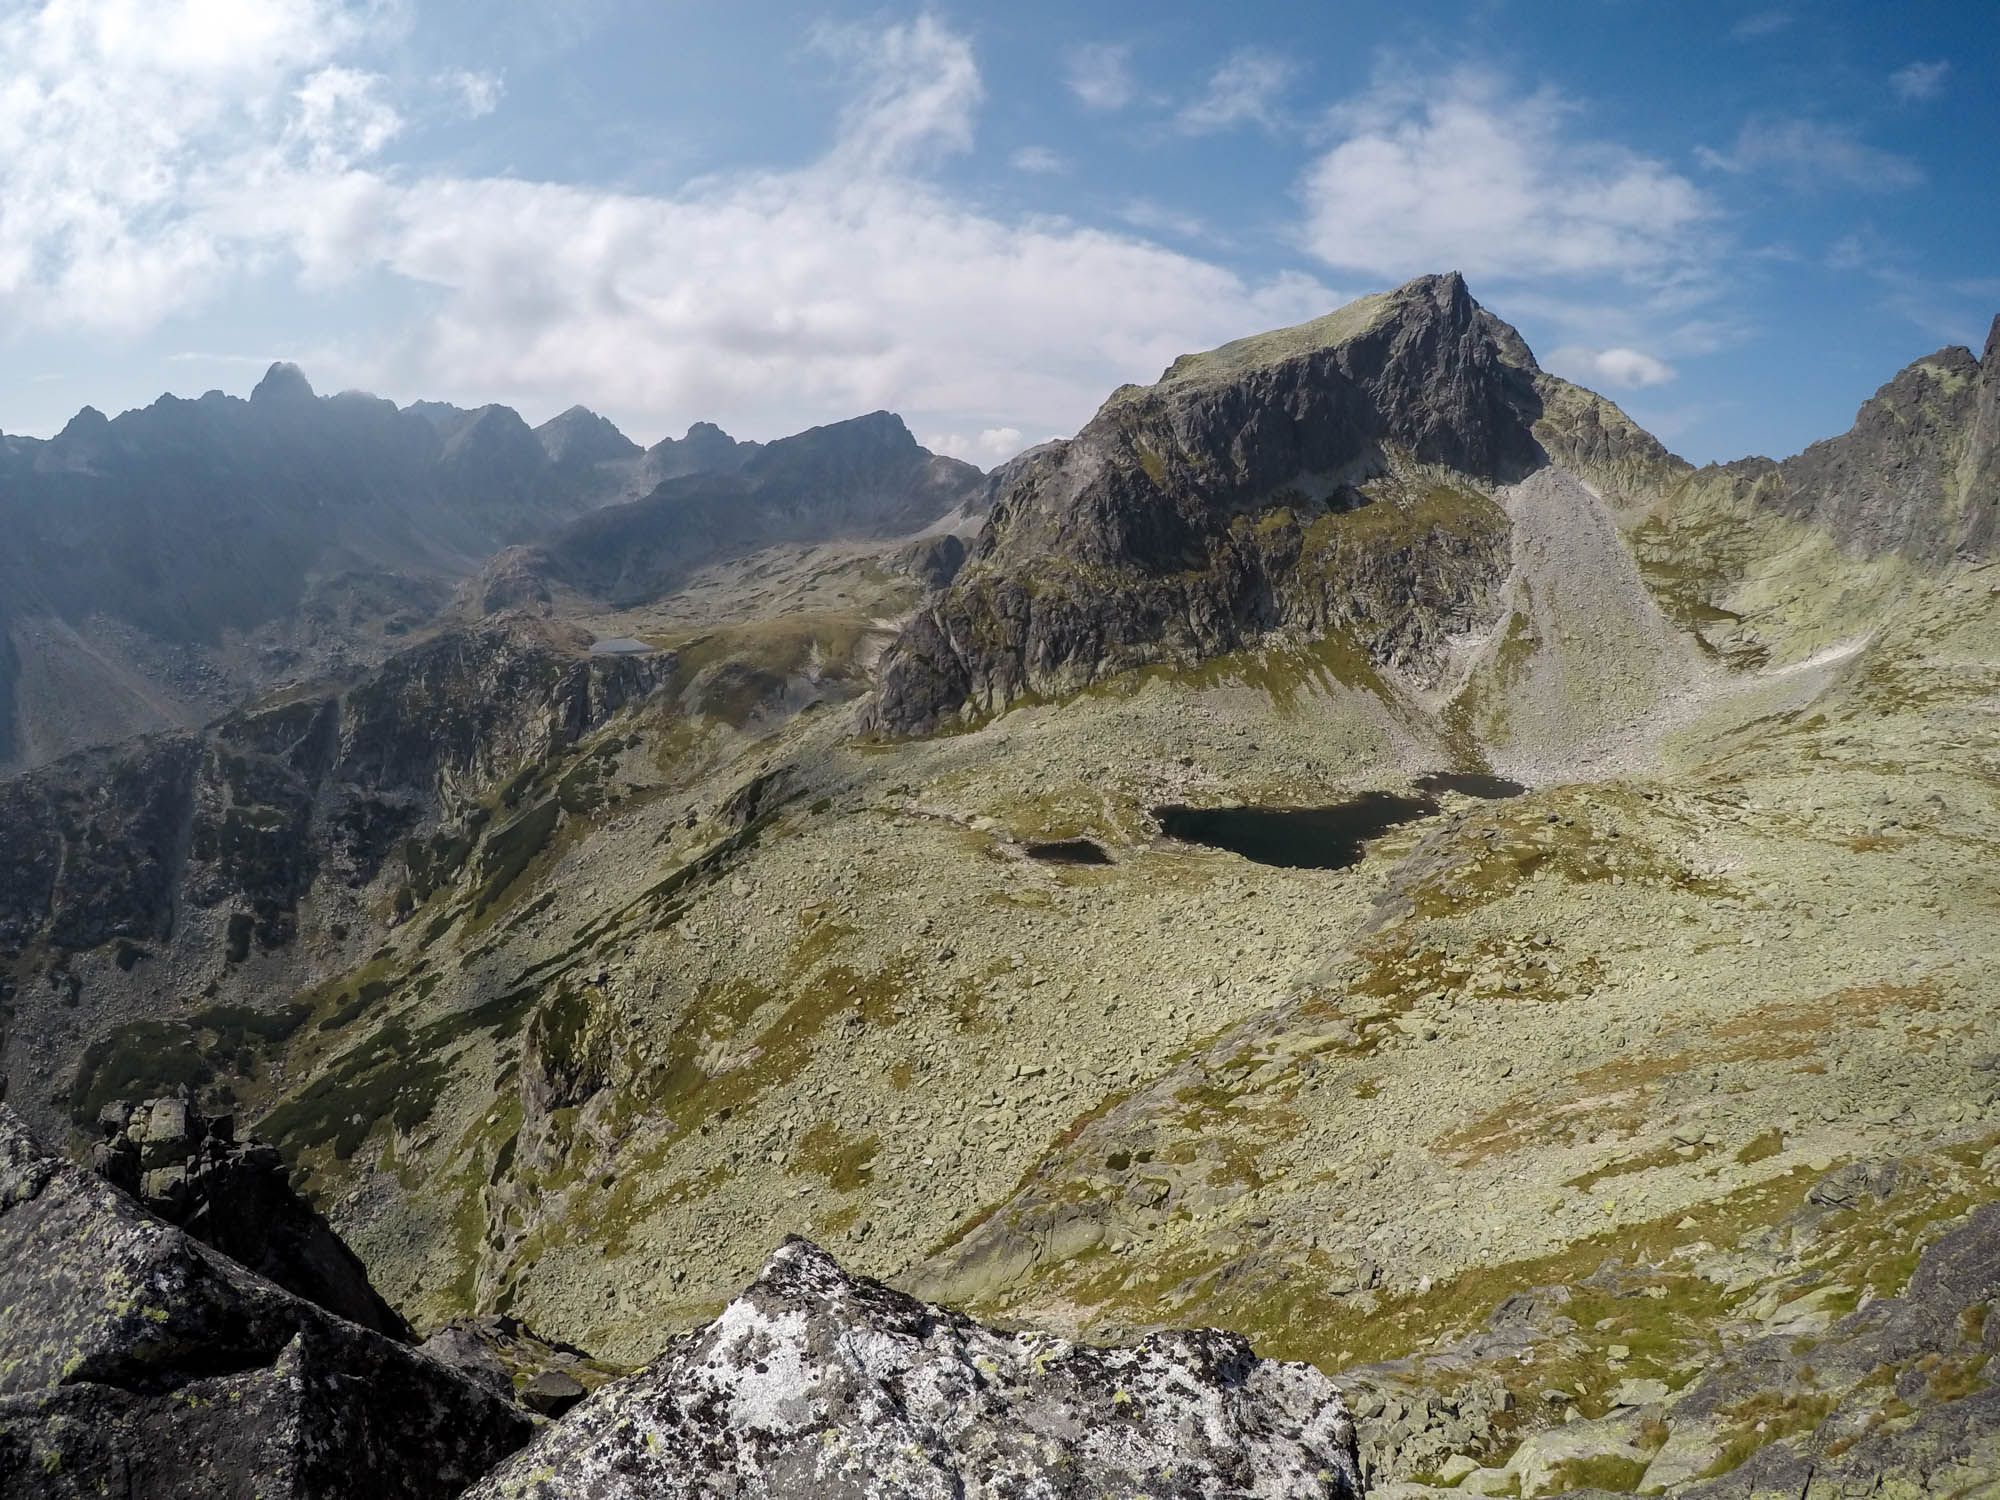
[1918, 474]
[284, 382]
[580, 435]
[1130, 532]
[86, 425]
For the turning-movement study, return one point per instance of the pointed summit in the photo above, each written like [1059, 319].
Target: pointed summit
[283, 382]
[581, 436]
[86, 424]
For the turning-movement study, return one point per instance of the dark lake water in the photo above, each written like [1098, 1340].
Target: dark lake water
[1070, 852]
[1320, 838]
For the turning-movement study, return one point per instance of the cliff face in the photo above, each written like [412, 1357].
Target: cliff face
[191, 859]
[1919, 472]
[1332, 478]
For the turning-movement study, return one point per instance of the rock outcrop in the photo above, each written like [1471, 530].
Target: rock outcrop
[1331, 479]
[814, 1384]
[236, 1197]
[135, 1360]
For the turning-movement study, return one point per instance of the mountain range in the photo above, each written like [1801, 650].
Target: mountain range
[1360, 847]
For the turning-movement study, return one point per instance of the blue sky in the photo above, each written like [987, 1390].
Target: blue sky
[1735, 219]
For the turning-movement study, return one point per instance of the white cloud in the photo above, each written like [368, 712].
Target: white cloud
[1628, 369]
[987, 449]
[1038, 160]
[1432, 174]
[138, 184]
[479, 93]
[1807, 154]
[919, 88]
[1100, 75]
[1760, 24]
[1919, 81]
[343, 118]
[1244, 90]
[123, 122]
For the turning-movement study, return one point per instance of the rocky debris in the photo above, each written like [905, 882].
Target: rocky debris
[136, 1360]
[236, 1197]
[1405, 1428]
[1330, 479]
[815, 1383]
[1892, 1394]
[503, 1353]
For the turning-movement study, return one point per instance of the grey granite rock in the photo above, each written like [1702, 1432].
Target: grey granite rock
[135, 1360]
[813, 1384]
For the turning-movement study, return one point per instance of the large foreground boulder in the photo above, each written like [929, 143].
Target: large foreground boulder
[814, 1384]
[236, 1197]
[137, 1361]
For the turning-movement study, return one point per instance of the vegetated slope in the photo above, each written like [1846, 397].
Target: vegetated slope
[861, 478]
[1334, 479]
[163, 564]
[1590, 1092]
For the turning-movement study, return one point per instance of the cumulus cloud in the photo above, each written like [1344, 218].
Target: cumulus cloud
[1919, 81]
[1808, 154]
[1628, 369]
[127, 125]
[1244, 90]
[136, 182]
[1429, 174]
[987, 449]
[1100, 75]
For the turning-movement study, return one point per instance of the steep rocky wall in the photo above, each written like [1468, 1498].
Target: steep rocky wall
[1332, 479]
[239, 864]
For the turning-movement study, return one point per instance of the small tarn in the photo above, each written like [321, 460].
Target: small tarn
[1070, 852]
[1468, 784]
[1296, 838]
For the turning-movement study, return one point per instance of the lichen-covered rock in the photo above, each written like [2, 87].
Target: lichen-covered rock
[135, 1360]
[814, 1383]
[236, 1197]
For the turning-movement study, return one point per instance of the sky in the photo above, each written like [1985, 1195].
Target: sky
[1734, 219]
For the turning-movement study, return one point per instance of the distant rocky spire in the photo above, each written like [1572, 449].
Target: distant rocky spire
[284, 381]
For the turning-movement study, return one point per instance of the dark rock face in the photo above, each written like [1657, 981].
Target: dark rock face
[1917, 474]
[135, 1360]
[507, 1356]
[816, 1384]
[934, 561]
[1326, 479]
[236, 1197]
[865, 477]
